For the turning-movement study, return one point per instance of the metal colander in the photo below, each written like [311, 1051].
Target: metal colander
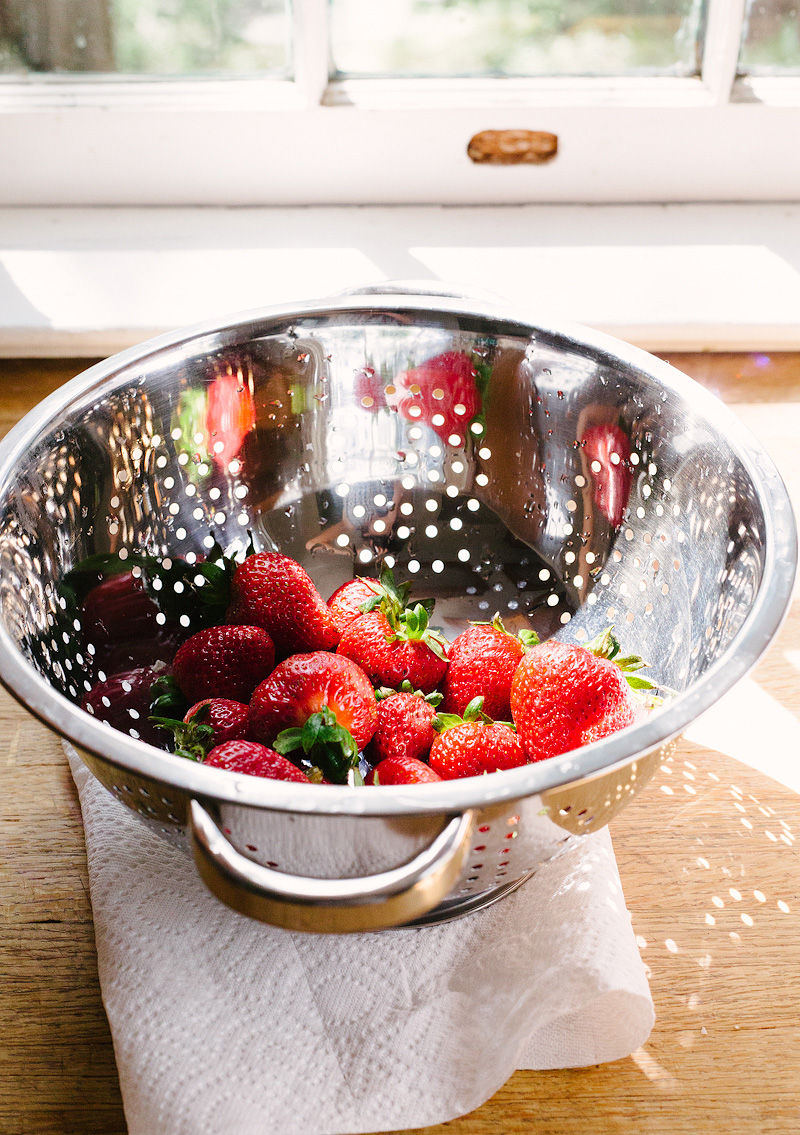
[487, 496]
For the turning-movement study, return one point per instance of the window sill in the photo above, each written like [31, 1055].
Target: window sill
[80, 282]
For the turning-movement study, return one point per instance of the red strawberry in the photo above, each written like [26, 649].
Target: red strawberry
[402, 770]
[473, 745]
[392, 653]
[211, 722]
[345, 603]
[482, 663]
[441, 392]
[252, 759]
[306, 683]
[226, 662]
[272, 591]
[405, 726]
[564, 696]
[125, 702]
[118, 608]
[227, 718]
[119, 619]
[607, 449]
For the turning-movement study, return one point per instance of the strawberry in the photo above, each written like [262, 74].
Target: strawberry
[117, 609]
[126, 701]
[346, 602]
[320, 706]
[405, 724]
[482, 663]
[392, 652]
[227, 718]
[402, 770]
[564, 696]
[442, 392]
[272, 591]
[607, 450]
[210, 722]
[474, 744]
[360, 596]
[226, 662]
[119, 619]
[252, 759]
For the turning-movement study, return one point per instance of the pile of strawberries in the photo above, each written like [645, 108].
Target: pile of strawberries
[356, 690]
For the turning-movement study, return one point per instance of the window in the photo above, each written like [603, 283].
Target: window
[358, 101]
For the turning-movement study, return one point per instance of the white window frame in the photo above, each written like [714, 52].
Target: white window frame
[314, 140]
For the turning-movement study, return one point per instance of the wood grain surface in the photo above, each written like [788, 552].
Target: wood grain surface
[707, 856]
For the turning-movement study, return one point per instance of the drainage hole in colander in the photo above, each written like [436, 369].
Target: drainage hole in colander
[480, 847]
[565, 811]
[251, 847]
[485, 828]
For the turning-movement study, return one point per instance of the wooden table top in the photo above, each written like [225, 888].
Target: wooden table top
[708, 863]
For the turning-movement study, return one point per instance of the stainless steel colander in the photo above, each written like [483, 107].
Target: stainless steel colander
[489, 498]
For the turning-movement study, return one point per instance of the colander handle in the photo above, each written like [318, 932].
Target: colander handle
[329, 906]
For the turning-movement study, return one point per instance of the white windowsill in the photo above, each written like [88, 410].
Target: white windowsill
[91, 281]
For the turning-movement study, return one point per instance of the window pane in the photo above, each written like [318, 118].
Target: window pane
[771, 42]
[145, 37]
[516, 37]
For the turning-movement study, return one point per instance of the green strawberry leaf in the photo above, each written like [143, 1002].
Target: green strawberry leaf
[321, 743]
[194, 739]
[406, 688]
[474, 709]
[414, 627]
[166, 698]
[636, 682]
[444, 721]
[605, 644]
[472, 712]
[528, 638]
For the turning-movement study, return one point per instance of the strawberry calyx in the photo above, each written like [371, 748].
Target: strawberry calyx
[526, 636]
[406, 687]
[607, 645]
[194, 739]
[473, 712]
[414, 626]
[324, 744]
[391, 598]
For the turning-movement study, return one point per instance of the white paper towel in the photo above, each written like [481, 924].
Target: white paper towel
[224, 1026]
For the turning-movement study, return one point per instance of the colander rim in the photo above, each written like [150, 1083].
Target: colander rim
[760, 625]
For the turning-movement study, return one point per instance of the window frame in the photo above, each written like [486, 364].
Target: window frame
[321, 140]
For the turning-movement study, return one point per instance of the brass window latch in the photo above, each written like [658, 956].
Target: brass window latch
[512, 147]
